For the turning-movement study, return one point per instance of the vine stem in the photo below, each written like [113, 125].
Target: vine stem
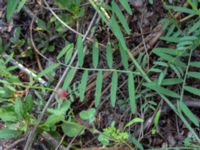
[185, 77]
[33, 133]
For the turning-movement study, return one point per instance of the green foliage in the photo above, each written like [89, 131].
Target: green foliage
[112, 134]
[88, 115]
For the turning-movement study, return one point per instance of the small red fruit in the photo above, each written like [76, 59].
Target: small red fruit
[61, 94]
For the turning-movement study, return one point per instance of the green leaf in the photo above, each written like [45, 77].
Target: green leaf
[192, 90]
[194, 27]
[21, 4]
[95, 54]
[172, 81]
[117, 32]
[156, 119]
[124, 58]
[131, 91]
[109, 56]
[194, 74]
[67, 51]
[133, 121]
[88, 115]
[113, 92]
[136, 143]
[80, 51]
[181, 9]
[83, 85]
[19, 108]
[48, 70]
[161, 90]
[98, 88]
[195, 64]
[120, 16]
[72, 129]
[53, 119]
[28, 103]
[193, 118]
[126, 6]
[8, 133]
[11, 7]
[68, 78]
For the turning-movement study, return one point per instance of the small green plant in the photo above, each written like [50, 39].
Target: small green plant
[112, 134]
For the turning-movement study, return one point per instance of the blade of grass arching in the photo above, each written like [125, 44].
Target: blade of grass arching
[83, 85]
[126, 5]
[68, 78]
[120, 16]
[131, 91]
[99, 83]
[48, 70]
[80, 51]
[113, 90]
[109, 56]
[95, 53]
[193, 118]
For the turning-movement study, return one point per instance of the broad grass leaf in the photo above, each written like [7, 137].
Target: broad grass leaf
[192, 90]
[113, 92]
[131, 91]
[195, 64]
[83, 85]
[109, 56]
[193, 118]
[80, 51]
[68, 78]
[161, 90]
[172, 81]
[194, 74]
[95, 53]
[99, 83]
[10, 10]
[48, 70]
[120, 16]
[181, 9]
[126, 5]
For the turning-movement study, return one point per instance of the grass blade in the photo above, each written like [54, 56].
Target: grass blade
[11, 7]
[98, 88]
[126, 6]
[113, 89]
[192, 90]
[109, 56]
[131, 90]
[193, 118]
[120, 16]
[95, 54]
[68, 78]
[80, 51]
[83, 85]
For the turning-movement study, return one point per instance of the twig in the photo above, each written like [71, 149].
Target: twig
[15, 143]
[33, 44]
[33, 132]
[24, 69]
